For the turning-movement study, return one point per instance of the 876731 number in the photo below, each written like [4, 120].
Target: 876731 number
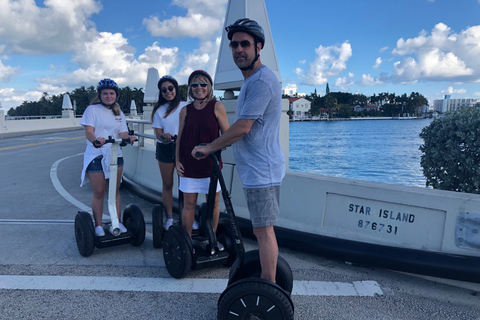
[378, 227]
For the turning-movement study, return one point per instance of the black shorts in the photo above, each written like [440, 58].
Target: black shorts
[165, 152]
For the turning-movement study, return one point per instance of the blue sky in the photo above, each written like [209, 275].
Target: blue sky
[370, 46]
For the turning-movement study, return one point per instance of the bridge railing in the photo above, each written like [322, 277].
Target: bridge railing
[138, 126]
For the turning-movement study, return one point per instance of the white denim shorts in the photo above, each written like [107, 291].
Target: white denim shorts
[196, 185]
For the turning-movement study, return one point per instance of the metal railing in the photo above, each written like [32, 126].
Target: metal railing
[139, 128]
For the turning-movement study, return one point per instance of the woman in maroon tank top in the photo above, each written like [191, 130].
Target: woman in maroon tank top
[201, 121]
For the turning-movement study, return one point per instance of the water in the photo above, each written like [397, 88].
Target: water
[371, 150]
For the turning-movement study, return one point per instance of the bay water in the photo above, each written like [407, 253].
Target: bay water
[370, 150]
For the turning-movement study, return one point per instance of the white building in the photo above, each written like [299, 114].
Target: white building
[447, 104]
[300, 108]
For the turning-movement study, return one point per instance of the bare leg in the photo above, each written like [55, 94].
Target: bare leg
[268, 249]
[188, 214]
[98, 182]
[166, 170]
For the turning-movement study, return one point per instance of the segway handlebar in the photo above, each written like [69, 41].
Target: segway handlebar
[172, 139]
[122, 142]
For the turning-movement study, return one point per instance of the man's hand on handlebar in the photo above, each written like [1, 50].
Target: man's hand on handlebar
[200, 152]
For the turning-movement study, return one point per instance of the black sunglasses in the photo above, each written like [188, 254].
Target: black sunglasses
[244, 44]
[202, 84]
[170, 88]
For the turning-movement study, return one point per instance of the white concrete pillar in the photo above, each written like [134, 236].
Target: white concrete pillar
[67, 108]
[133, 108]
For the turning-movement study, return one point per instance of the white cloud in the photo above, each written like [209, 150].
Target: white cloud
[61, 26]
[450, 90]
[329, 62]
[378, 63]
[368, 80]
[298, 71]
[6, 72]
[343, 83]
[11, 98]
[305, 61]
[440, 55]
[203, 20]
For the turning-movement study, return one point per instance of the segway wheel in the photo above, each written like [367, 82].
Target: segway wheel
[84, 233]
[251, 269]
[134, 222]
[157, 225]
[225, 236]
[255, 299]
[177, 252]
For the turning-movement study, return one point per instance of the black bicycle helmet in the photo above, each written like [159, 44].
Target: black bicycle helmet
[107, 84]
[166, 78]
[249, 26]
[200, 72]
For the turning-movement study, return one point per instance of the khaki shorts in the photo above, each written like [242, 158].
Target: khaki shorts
[263, 205]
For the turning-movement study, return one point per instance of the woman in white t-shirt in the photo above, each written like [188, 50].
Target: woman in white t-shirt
[165, 119]
[103, 118]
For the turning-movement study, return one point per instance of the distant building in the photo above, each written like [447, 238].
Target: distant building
[447, 104]
[300, 108]
[366, 107]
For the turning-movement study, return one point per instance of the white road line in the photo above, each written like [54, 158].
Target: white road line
[61, 190]
[301, 288]
[67, 196]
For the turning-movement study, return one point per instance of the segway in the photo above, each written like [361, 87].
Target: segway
[132, 216]
[247, 296]
[182, 253]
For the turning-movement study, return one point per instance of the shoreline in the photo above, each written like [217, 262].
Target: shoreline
[358, 119]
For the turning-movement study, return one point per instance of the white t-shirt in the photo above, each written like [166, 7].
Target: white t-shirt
[169, 124]
[105, 124]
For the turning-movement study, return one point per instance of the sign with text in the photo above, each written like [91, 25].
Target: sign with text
[391, 223]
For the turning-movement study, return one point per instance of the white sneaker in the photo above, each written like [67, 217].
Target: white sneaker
[99, 232]
[220, 246]
[168, 223]
[122, 228]
[195, 225]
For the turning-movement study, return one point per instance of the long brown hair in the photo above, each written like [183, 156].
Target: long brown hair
[172, 105]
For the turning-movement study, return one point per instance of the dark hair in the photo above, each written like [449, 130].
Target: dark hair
[172, 105]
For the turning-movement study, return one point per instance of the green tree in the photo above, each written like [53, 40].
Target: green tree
[451, 151]
[417, 101]
[183, 91]
[327, 90]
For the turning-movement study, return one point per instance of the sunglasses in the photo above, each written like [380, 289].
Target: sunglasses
[202, 84]
[170, 88]
[244, 44]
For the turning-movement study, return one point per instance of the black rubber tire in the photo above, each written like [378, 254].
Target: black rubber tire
[251, 269]
[226, 237]
[177, 252]
[84, 233]
[134, 222]
[157, 225]
[255, 299]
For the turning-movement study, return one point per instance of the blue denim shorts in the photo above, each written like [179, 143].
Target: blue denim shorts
[263, 205]
[96, 165]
